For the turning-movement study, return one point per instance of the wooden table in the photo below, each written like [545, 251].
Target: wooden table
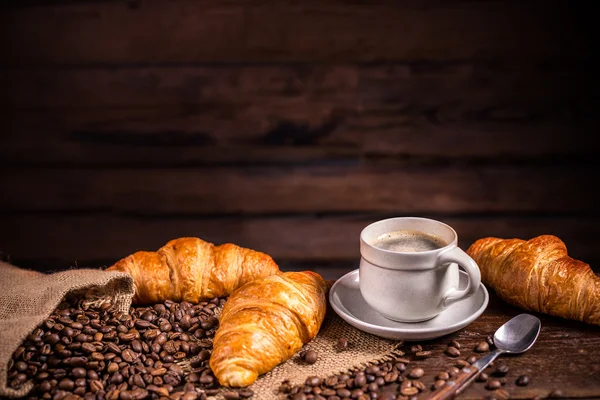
[566, 356]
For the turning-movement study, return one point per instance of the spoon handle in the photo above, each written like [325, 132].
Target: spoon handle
[457, 384]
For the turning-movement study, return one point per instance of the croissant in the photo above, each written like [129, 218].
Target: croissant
[538, 275]
[193, 270]
[264, 323]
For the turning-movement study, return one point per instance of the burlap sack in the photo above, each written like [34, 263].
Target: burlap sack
[28, 297]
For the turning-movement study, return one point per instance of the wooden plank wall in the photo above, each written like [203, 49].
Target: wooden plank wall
[289, 126]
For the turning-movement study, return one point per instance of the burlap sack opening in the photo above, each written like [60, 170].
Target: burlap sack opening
[28, 297]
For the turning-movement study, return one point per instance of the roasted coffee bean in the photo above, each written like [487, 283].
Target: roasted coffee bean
[79, 372]
[493, 384]
[438, 384]
[343, 393]
[453, 371]
[409, 391]
[313, 381]
[523, 380]
[400, 366]
[246, 393]
[389, 377]
[342, 343]
[462, 363]
[423, 354]
[416, 373]
[471, 359]
[66, 384]
[443, 376]
[231, 395]
[501, 370]
[310, 356]
[482, 377]
[207, 379]
[482, 347]
[416, 348]
[452, 351]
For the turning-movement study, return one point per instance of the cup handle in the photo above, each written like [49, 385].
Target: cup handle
[457, 255]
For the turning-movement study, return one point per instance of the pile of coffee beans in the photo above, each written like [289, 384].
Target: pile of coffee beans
[403, 378]
[100, 353]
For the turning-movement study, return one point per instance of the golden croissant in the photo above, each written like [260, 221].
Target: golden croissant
[538, 275]
[264, 323]
[193, 270]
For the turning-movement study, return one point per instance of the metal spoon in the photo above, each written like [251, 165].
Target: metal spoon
[516, 336]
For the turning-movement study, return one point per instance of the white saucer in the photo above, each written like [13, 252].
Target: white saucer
[348, 303]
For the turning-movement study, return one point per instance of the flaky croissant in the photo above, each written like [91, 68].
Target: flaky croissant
[538, 275]
[193, 270]
[264, 323]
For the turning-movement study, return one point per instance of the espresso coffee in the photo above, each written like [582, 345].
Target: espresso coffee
[407, 241]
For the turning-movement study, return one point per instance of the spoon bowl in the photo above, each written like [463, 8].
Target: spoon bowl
[518, 335]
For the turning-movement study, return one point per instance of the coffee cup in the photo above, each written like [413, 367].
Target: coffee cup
[409, 268]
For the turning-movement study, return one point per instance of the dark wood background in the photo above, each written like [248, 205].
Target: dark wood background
[289, 126]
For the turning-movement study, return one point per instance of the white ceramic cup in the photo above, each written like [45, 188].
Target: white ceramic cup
[413, 286]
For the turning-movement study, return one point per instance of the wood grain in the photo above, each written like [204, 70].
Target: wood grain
[279, 114]
[225, 190]
[391, 86]
[154, 31]
[63, 239]
[563, 356]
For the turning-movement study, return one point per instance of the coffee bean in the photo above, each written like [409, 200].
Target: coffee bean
[482, 377]
[66, 384]
[79, 372]
[501, 370]
[462, 363]
[409, 391]
[390, 377]
[493, 384]
[400, 366]
[416, 373]
[423, 354]
[299, 396]
[310, 356]
[443, 376]
[438, 384]
[454, 343]
[313, 381]
[471, 359]
[246, 393]
[342, 343]
[343, 393]
[482, 347]
[206, 379]
[416, 348]
[452, 351]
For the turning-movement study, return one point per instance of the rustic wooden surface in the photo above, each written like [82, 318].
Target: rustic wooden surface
[565, 356]
[289, 126]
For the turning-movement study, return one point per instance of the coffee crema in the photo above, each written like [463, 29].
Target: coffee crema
[408, 241]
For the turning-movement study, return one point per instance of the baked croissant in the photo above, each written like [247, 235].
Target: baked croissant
[538, 275]
[193, 270]
[264, 323]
